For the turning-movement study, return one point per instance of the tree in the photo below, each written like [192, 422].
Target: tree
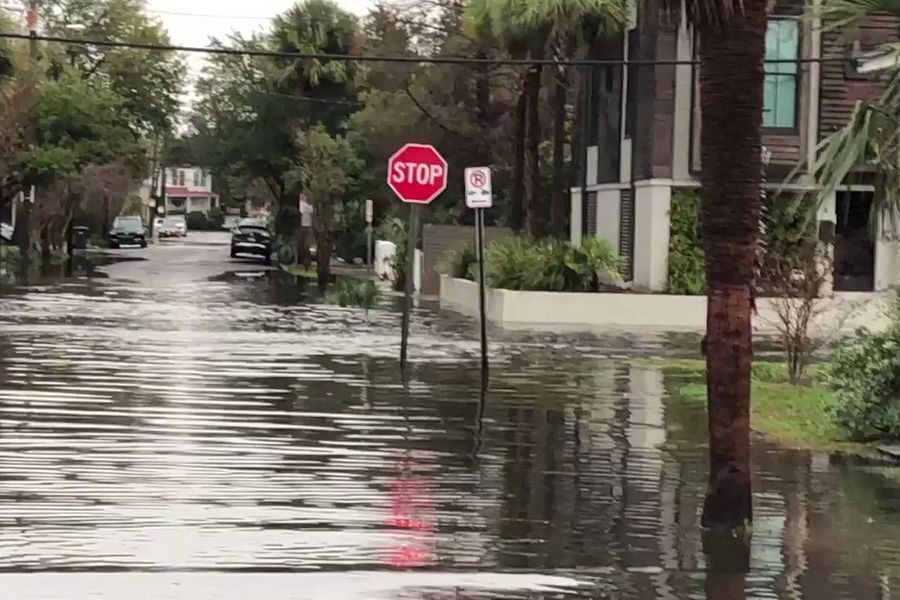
[731, 38]
[325, 173]
[150, 82]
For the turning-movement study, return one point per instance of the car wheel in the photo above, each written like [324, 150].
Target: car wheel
[267, 260]
[144, 244]
[113, 246]
[233, 253]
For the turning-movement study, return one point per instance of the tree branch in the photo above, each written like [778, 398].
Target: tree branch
[431, 117]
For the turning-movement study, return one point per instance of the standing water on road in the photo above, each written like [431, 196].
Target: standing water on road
[171, 433]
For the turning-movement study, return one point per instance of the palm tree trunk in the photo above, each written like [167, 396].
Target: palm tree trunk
[731, 81]
[558, 197]
[533, 222]
[517, 216]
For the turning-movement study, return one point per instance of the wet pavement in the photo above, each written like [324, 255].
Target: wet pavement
[191, 428]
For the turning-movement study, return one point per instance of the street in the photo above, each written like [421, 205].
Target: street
[190, 427]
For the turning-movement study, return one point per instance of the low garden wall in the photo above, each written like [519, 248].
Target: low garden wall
[516, 309]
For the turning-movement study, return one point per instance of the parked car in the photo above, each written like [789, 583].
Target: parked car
[128, 231]
[174, 227]
[252, 237]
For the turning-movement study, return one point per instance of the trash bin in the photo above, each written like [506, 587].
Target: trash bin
[80, 237]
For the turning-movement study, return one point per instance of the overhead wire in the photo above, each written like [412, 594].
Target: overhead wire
[457, 60]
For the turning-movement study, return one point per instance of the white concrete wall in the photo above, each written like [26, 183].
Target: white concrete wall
[887, 253]
[609, 212]
[652, 204]
[513, 309]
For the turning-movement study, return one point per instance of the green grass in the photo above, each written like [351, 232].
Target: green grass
[299, 271]
[796, 416]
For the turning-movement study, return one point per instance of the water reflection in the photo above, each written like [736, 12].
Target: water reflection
[217, 429]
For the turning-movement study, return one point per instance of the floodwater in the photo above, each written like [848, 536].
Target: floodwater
[183, 429]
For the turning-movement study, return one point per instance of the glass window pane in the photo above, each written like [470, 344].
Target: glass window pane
[769, 101]
[786, 101]
[780, 91]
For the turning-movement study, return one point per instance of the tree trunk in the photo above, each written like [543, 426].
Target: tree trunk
[559, 192]
[534, 224]
[517, 215]
[731, 81]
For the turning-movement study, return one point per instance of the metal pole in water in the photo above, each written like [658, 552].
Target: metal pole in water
[479, 234]
[410, 283]
[369, 246]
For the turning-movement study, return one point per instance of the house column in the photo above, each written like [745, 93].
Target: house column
[827, 219]
[652, 204]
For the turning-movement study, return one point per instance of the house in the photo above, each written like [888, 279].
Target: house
[187, 189]
[643, 138]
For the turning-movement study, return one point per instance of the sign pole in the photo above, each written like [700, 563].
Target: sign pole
[479, 235]
[410, 280]
[417, 173]
[370, 216]
[479, 196]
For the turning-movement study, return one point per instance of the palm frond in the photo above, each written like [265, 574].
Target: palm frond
[870, 140]
[843, 14]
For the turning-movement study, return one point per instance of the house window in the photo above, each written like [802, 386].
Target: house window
[780, 91]
[181, 178]
[196, 176]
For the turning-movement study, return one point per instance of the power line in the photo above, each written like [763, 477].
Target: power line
[453, 60]
[208, 16]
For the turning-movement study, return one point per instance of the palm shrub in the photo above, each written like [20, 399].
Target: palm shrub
[463, 262]
[518, 263]
[353, 292]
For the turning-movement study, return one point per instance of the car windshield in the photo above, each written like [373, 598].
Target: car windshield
[252, 224]
[175, 221]
[128, 224]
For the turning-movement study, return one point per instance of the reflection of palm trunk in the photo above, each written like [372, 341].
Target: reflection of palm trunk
[518, 182]
[728, 561]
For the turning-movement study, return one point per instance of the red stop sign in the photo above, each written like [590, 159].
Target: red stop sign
[417, 173]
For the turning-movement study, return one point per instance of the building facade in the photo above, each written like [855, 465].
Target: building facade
[643, 136]
[187, 190]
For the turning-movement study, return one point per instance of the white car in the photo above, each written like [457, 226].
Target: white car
[173, 227]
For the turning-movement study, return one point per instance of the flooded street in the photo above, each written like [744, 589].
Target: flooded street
[185, 429]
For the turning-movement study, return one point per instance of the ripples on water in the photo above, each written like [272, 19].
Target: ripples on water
[202, 442]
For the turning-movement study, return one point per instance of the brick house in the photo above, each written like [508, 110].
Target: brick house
[644, 127]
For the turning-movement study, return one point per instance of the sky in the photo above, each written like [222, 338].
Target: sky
[193, 23]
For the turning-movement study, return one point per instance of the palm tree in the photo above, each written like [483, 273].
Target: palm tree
[872, 135]
[731, 37]
[537, 29]
[317, 27]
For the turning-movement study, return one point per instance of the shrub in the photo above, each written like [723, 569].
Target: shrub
[463, 262]
[865, 376]
[216, 218]
[196, 221]
[686, 269]
[353, 292]
[517, 263]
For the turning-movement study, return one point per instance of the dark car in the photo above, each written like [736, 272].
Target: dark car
[128, 231]
[251, 237]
